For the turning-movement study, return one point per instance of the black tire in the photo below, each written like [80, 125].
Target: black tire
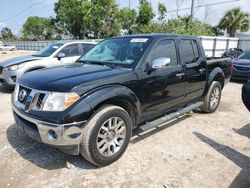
[88, 146]
[1, 49]
[12, 49]
[208, 99]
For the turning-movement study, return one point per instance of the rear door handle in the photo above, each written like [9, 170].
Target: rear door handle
[179, 75]
[202, 70]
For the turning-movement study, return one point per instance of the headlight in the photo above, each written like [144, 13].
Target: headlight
[59, 101]
[15, 67]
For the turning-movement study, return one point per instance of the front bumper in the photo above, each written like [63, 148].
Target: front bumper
[63, 136]
[10, 77]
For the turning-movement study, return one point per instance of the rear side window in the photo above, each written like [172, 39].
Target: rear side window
[165, 48]
[190, 51]
[86, 48]
[71, 50]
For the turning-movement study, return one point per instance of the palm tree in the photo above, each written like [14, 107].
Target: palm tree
[234, 20]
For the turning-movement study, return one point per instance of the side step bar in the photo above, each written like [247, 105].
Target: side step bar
[169, 117]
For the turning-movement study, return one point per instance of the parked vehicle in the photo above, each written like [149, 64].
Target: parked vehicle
[7, 47]
[91, 107]
[53, 55]
[246, 95]
[233, 53]
[241, 67]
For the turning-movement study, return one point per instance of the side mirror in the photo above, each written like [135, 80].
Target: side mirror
[60, 56]
[161, 63]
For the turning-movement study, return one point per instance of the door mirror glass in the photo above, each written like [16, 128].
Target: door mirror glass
[60, 56]
[161, 63]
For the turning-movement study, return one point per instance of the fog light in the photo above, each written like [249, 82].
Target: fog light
[52, 135]
[13, 78]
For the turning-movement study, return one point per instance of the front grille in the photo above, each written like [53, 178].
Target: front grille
[242, 68]
[1, 70]
[26, 94]
[29, 99]
[40, 100]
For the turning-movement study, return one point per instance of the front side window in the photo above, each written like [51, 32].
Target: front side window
[118, 51]
[165, 48]
[71, 50]
[48, 50]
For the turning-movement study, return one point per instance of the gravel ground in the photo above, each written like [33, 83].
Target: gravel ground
[198, 150]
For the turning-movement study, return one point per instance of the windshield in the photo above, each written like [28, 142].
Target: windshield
[245, 55]
[119, 51]
[48, 50]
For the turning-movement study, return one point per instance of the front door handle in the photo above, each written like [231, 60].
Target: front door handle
[179, 75]
[202, 70]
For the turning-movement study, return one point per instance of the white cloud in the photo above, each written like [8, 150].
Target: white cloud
[2, 24]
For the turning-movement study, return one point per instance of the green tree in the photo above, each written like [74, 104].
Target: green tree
[180, 25]
[6, 33]
[88, 18]
[38, 28]
[162, 9]
[69, 15]
[235, 19]
[102, 18]
[146, 13]
[127, 18]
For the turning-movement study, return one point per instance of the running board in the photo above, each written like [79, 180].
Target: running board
[169, 117]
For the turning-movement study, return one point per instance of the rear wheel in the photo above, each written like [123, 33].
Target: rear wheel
[106, 136]
[212, 99]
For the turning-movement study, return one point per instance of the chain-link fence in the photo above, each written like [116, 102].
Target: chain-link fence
[37, 45]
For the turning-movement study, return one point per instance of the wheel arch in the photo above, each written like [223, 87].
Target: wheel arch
[115, 95]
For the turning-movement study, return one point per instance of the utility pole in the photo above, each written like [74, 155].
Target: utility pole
[129, 5]
[32, 7]
[192, 10]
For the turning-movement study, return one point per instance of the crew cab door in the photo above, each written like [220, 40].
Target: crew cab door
[72, 53]
[163, 88]
[195, 69]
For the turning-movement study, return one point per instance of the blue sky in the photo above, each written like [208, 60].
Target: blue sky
[13, 13]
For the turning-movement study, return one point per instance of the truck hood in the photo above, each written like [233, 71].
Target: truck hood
[75, 77]
[18, 60]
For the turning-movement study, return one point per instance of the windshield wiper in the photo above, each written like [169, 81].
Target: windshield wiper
[98, 63]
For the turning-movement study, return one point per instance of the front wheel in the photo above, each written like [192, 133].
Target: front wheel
[106, 136]
[212, 99]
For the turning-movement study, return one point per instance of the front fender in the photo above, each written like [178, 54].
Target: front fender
[100, 95]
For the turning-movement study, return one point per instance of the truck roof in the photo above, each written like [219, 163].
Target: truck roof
[158, 35]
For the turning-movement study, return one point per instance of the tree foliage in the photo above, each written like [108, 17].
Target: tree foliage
[102, 18]
[180, 25]
[162, 10]
[127, 18]
[6, 34]
[38, 28]
[146, 13]
[69, 15]
[235, 19]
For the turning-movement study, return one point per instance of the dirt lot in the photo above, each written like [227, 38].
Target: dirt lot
[199, 150]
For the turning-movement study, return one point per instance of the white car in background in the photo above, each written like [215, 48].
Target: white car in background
[7, 47]
[55, 54]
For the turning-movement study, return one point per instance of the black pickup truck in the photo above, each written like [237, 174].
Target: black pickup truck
[123, 83]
